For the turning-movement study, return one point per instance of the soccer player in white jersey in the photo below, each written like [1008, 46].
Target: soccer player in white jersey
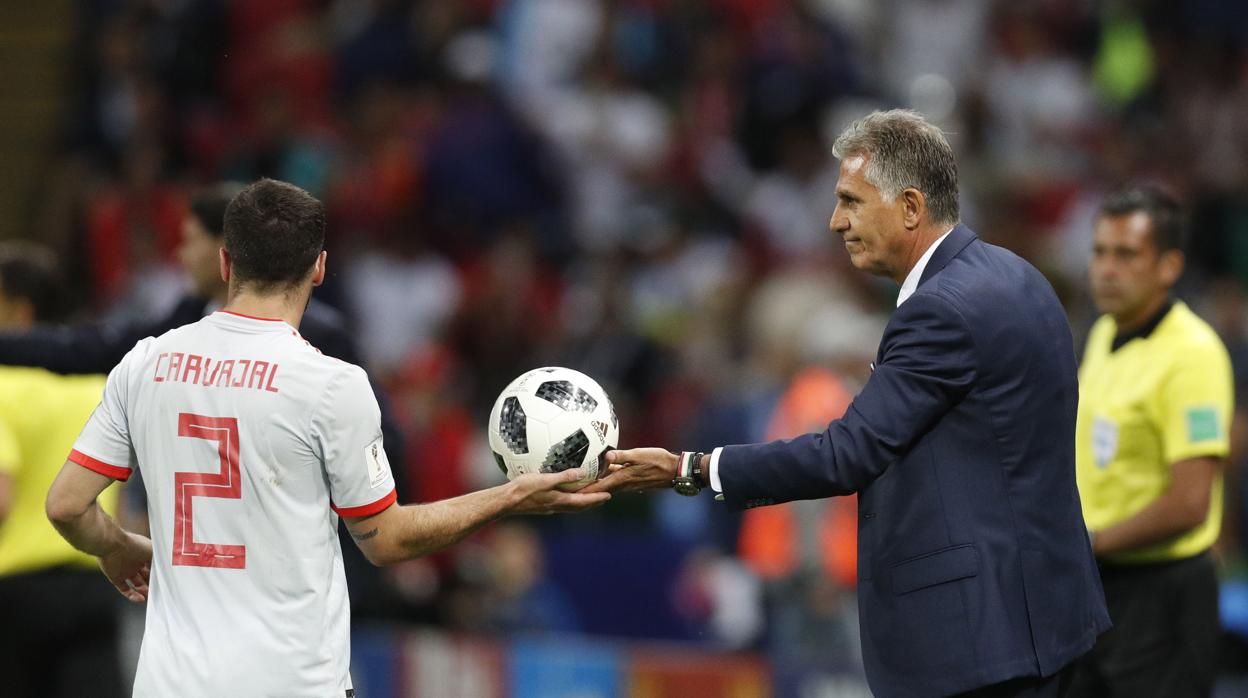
[252, 444]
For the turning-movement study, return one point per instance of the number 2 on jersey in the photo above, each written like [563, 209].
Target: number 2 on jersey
[226, 484]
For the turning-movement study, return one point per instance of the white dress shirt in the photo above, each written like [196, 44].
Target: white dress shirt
[908, 288]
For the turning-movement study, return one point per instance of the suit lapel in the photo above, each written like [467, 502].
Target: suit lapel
[958, 239]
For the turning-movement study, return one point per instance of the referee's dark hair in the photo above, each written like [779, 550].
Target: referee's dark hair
[274, 232]
[1169, 224]
[208, 205]
[29, 272]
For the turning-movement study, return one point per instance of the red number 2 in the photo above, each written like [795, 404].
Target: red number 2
[226, 484]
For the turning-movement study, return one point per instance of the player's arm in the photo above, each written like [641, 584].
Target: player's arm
[1182, 507]
[102, 453]
[73, 508]
[404, 532]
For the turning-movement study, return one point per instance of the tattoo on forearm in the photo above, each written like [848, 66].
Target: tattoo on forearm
[366, 536]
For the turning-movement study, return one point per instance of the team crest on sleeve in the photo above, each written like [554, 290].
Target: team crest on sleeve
[1104, 441]
[375, 456]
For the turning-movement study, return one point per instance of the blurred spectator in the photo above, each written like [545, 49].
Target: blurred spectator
[401, 304]
[505, 589]
[718, 597]
[806, 551]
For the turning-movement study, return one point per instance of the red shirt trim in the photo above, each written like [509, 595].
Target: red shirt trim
[368, 509]
[252, 317]
[99, 466]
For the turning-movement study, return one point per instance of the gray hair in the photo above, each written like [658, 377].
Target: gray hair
[905, 152]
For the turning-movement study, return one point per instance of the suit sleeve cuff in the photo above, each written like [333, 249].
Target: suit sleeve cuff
[713, 470]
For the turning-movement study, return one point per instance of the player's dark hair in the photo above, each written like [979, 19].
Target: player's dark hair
[30, 272]
[208, 205]
[274, 232]
[1169, 224]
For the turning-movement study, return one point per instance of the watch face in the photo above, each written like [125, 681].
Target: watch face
[686, 486]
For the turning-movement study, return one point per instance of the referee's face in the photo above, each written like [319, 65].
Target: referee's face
[1130, 278]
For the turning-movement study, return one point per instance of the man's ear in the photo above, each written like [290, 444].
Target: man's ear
[913, 207]
[1171, 266]
[223, 258]
[318, 269]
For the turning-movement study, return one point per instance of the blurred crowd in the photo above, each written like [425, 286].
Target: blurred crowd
[639, 189]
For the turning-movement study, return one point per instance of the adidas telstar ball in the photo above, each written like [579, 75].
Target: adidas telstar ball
[551, 419]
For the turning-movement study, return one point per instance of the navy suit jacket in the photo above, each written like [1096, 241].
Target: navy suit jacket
[973, 560]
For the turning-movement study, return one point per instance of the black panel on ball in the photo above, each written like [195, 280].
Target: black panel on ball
[513, 426]
[567, 396]
[569, 453]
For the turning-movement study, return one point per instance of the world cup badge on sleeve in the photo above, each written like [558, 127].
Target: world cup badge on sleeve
[375, 455]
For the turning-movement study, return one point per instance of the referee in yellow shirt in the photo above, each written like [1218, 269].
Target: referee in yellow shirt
[58, 624]
[1151, 438]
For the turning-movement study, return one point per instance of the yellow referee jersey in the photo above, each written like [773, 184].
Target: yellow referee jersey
[1159, 399]
[41, 414]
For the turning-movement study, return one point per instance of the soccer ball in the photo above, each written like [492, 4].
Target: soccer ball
[551, 419]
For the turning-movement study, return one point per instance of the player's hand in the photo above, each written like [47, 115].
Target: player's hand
[129, 567]
[538, 493]
[637, 469]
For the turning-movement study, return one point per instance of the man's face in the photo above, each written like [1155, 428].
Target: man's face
[198, 255]
[1128, 274]
[872, 228]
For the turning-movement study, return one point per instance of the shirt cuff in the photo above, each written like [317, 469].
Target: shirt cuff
[713, 470]
[366, 509]
[99, 466]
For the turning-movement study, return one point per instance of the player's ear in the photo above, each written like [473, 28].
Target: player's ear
[318, 269]
[223, 258]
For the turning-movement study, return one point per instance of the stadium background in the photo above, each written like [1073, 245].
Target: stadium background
[638, 189]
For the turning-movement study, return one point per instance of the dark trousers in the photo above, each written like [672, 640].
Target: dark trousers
[1055, 686]
[1165, 637]
[58, 635]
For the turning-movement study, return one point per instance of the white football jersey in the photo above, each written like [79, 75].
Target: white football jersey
[251, 443]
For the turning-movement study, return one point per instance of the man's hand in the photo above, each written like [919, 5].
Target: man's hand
[129, 567]
[538, 493]
[637, 469]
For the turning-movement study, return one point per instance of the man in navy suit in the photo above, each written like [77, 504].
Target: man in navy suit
[975, 572]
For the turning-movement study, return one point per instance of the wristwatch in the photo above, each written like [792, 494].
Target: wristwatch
[688, 480]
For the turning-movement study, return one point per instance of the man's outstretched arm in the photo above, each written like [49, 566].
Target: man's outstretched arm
[404, 532]
[74, 510]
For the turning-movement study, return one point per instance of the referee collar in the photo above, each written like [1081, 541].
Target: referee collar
[1144, 330]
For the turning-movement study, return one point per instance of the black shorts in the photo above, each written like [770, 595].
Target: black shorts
[1165, 636]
